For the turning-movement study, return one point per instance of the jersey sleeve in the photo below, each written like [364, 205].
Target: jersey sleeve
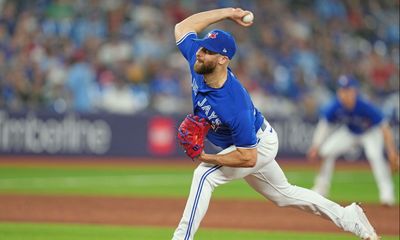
[328, 112]
[187, 46]
[243, 130]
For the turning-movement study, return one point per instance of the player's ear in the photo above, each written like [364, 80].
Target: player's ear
[223, 60]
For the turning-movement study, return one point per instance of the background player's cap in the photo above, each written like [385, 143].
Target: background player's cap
[346, 81]
[220, 42]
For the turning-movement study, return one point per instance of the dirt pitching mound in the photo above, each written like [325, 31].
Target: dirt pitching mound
[240, 214]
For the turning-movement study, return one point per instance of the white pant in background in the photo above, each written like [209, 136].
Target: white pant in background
[341, 142]
[266, 177]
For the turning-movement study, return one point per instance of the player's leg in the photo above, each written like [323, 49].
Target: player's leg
[271, 182]
[197, 202]
[373, 144]
[207, 177]
[338, 143]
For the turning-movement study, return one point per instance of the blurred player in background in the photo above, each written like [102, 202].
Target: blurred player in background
[361, 123]
[249, 142]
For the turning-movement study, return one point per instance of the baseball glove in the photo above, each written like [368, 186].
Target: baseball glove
[191, 134]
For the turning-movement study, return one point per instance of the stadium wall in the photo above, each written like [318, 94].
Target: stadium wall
[139, 135]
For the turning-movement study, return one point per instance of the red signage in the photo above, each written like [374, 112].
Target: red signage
[161, 136]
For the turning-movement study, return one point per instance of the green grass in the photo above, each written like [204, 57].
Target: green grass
[163, 181]
[160, 181]
[27, 231]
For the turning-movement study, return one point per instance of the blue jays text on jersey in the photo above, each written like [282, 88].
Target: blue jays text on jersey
[229, 109]
[211, 115]
[362, 117]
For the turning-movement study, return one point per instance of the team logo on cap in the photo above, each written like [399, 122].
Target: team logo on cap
[212, 35]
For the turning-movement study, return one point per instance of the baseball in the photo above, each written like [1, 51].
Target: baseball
[248, 18]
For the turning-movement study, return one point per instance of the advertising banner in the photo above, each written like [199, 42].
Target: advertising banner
[140, 135]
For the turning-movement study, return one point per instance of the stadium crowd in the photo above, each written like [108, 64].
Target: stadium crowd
[120, 56]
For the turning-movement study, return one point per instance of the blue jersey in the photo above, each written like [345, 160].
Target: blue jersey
[362, 117]
[229, 109]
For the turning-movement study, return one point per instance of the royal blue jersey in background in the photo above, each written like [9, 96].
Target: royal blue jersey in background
[362, 117]
[229, 109]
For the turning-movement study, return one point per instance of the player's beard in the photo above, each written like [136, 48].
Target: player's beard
[204, 68]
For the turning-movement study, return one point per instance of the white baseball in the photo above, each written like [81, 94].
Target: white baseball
[248, 18]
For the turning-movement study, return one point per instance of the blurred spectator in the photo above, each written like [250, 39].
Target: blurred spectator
[114, 51]
[8, 14]
[81, 83]
[289, 58]
[119, 98]
[166, 91]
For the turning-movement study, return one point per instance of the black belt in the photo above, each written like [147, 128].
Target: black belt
[263, 126]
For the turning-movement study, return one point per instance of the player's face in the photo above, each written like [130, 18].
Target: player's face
[206, 61]
[347, 96]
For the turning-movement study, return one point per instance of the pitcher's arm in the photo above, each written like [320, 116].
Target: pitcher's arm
[199, 21]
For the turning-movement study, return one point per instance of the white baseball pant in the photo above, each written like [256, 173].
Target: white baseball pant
[341, 142]
[266, 177]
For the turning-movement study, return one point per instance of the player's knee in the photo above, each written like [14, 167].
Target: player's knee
[199, 172]
[280, 201]
[374, 155]
[201, 175]
[282, 197]
[276, 197]
[327, 154]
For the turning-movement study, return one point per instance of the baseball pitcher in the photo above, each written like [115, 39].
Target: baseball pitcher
[223, 112]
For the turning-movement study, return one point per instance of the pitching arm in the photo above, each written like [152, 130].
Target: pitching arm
[199, 21]
[241, 157]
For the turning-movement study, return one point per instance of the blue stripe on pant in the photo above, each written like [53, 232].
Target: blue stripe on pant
[196, 200]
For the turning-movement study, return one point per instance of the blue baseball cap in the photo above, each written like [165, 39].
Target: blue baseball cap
[346, 81]
[220, 42]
